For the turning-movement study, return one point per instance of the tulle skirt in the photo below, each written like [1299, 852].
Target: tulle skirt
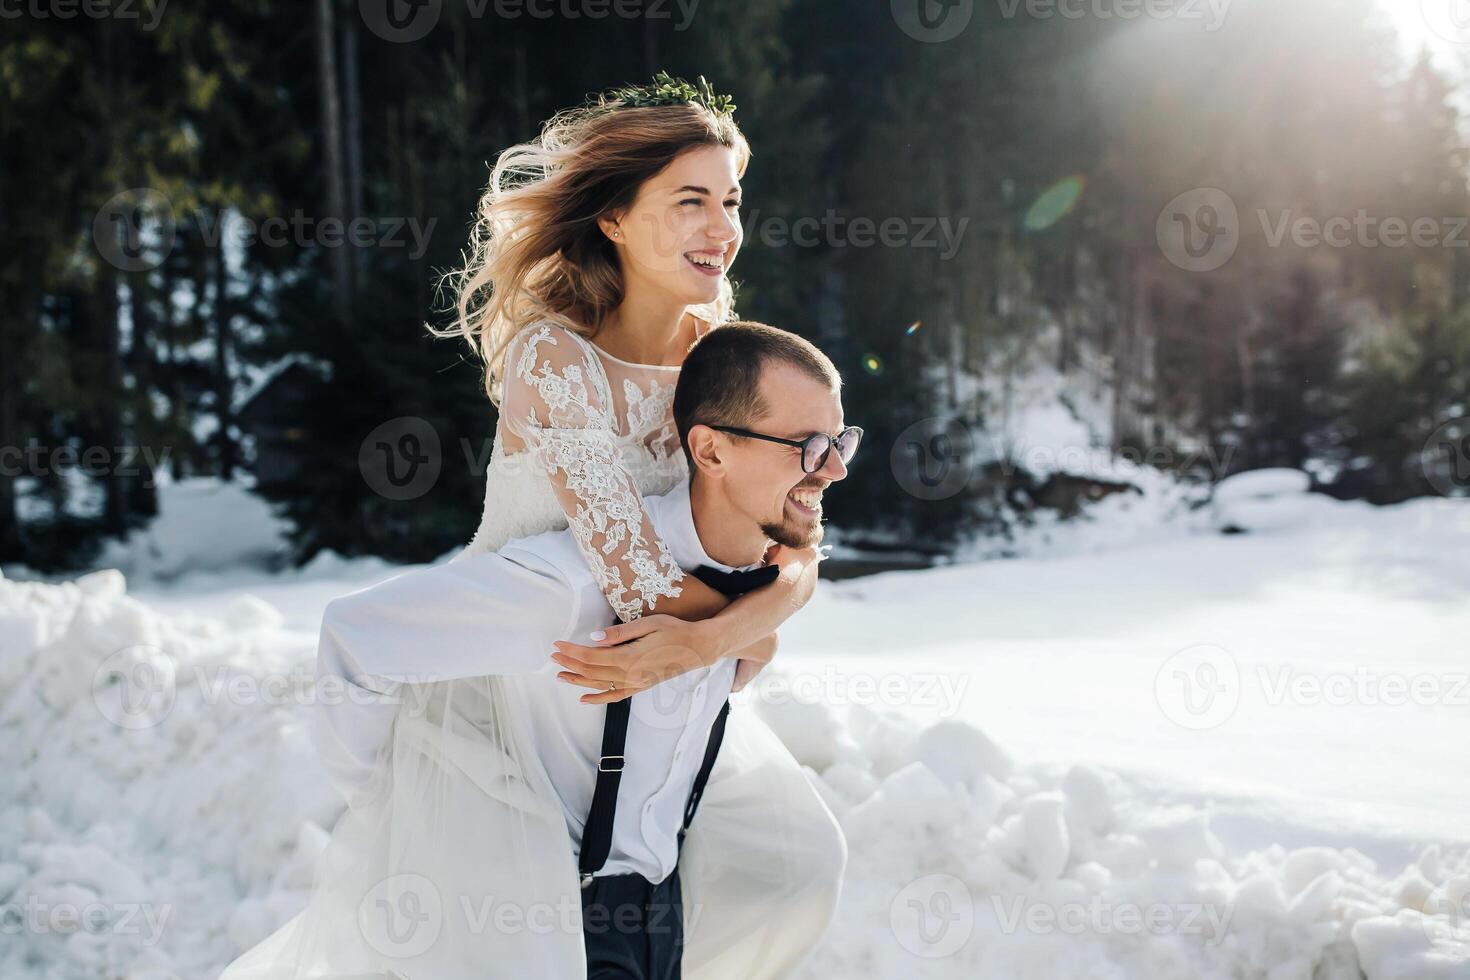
[462, 868]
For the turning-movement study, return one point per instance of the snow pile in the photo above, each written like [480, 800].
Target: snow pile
[961, 865]
[163, 809]
[147, 766]
[203, 524]
[1048, 425]
[1274, 499]
[1158, 506]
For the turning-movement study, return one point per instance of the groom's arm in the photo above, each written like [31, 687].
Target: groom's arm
[474, 617]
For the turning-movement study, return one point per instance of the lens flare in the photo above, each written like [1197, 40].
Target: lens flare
[873, 364]
[1055, 203]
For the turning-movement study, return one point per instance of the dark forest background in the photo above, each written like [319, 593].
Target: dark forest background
[134, 315]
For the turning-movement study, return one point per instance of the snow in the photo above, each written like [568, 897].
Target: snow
[1271, 482]
[1026, 789]
[1274, 499]
[256, 378]
[204, 525]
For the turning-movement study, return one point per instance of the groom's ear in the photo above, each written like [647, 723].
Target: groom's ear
[708, 449]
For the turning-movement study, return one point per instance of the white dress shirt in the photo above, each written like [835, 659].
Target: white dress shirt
[499, 613]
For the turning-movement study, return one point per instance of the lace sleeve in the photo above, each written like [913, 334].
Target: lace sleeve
[555, 401]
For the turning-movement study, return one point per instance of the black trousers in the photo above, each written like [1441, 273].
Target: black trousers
[634, 929]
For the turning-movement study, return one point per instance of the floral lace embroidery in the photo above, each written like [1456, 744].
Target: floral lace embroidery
[645, 412]
[576, 441]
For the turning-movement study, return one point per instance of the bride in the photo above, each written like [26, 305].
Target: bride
[600, 254]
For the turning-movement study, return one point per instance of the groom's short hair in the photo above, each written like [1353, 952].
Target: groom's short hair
[719, 382]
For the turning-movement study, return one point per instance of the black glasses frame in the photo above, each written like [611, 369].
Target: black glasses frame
[803, 444]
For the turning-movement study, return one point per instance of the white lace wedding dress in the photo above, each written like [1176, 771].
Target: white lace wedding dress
[468, 825]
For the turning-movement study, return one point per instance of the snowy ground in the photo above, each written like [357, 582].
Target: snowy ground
[1194, 755]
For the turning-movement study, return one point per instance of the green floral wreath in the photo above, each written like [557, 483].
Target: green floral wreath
[668, 90]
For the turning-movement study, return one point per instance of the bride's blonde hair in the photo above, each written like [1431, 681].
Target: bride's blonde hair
[536, 250]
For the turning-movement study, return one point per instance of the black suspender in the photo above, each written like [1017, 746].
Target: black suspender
[597, 831]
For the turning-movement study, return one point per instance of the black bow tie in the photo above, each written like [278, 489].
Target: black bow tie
[736, 583]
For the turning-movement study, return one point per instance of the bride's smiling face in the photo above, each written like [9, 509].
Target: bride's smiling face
[682, 232]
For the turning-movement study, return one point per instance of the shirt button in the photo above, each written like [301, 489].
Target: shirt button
[679, 754]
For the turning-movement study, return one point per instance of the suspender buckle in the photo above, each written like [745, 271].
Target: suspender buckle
[586, 878]
[602, 765]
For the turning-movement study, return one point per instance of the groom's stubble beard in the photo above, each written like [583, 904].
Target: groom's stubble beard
[796, 533]
[791, 535]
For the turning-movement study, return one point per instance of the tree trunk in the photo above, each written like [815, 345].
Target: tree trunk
[352, 104]
[1121, 353]
[223, 385]
[110, 430]
[331, 122]
[140, 364]
[650, 47]
[11, 546]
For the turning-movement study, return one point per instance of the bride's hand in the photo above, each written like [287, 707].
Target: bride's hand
[753, 660]
[635, 656]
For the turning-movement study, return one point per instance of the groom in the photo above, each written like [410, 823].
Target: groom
[759, 414]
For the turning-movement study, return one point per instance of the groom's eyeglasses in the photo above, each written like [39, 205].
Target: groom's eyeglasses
[815, 448]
